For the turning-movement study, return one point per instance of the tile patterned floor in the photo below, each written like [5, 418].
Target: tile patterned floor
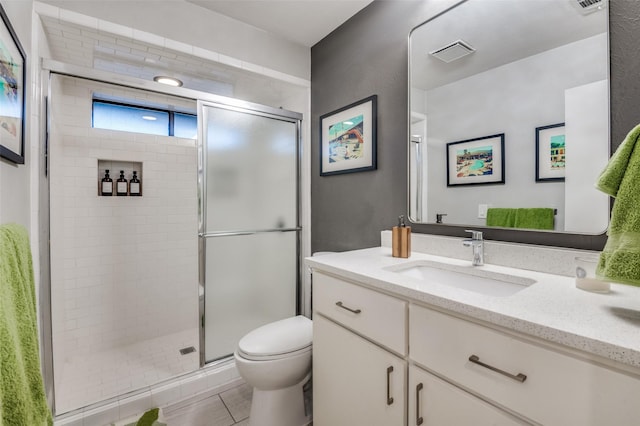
[82, 381]
[229, 408]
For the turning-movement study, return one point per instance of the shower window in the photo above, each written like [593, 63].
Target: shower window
[139, 119]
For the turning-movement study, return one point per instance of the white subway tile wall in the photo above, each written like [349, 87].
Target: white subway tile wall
[124, 269]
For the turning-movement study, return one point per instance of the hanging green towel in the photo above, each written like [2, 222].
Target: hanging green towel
[505, 218]
[620, 259]
[524, 218]
[22, 397]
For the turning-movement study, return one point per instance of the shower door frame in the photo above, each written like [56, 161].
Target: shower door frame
[49, 67]
[261, 111]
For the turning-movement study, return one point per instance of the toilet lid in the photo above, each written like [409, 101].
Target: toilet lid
[277, 338]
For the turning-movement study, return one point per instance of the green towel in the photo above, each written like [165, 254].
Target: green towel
[501, 217]
[525, 218]
[149, 417]
[22, 396]
[535, 218]
[620, 259]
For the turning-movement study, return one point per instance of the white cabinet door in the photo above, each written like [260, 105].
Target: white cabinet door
[434, 402]
[355, 382]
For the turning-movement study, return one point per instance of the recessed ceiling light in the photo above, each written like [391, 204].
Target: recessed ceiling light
[169, 81]
[149, 117]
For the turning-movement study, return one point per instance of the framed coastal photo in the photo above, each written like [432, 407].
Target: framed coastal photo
[478, 161]
[12, 91]
[550, 153]
[348, 138]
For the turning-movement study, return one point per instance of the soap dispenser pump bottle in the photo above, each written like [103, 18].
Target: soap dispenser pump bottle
[106, 187]
[401, 239]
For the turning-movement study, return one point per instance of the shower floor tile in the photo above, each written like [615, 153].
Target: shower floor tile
[96, 377]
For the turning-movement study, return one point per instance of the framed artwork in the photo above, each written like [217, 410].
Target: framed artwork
[550, 153]
[478, 161]
[12, 92]
[348, 138]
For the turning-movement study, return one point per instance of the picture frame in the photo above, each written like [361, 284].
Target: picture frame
[12, 97]
[478, 161]
[550, 153]
[348, 138]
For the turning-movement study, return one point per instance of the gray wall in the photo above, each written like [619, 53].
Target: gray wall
[368, 55]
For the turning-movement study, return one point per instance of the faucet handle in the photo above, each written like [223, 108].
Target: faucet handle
[475, 235]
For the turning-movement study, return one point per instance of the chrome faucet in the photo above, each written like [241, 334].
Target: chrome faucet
[477, 244]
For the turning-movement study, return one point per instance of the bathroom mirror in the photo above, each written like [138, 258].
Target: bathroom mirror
[509, 109]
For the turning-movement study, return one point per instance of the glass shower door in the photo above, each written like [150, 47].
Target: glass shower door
[249, 222]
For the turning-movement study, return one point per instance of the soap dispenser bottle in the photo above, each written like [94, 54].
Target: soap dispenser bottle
[106, 187]
[401, 239]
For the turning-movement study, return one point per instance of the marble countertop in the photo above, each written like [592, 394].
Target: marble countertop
[553, 309]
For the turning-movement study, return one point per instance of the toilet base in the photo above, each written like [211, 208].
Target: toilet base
[282, 407]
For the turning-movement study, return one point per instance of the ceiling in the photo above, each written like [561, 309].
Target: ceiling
[305, 22]
[501, 32]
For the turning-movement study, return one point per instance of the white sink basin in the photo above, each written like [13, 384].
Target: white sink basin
[468, 278]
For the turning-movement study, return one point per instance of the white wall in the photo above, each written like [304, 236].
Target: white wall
[15, 180]
[513, 99]
[187, 23]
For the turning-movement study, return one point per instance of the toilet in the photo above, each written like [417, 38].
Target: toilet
[275, 360]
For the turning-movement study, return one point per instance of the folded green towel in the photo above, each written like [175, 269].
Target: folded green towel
[22, 396]
[525, 218]
[620, 259]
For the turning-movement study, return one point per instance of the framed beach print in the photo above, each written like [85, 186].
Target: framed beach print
[348, 138]
[550, 153]
[12, 78]
[476, 161]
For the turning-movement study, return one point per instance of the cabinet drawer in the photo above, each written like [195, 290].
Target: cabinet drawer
[434, 402]
[558, 389]
[375, 315]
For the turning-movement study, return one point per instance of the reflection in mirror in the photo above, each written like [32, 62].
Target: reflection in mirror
[536, 72]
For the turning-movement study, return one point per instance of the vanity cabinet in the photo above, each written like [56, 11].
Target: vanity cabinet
[357, 377]
[434, 402]
[537, 382]
[355, 382]
[443, 369]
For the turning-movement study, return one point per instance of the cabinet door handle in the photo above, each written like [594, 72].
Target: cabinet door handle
[518, 377]
[419, 419]
[389, 397]
[355, 311]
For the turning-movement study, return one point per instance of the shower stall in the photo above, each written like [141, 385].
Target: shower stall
[146, 290]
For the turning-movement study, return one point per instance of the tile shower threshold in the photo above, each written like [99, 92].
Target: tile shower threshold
[214, 378]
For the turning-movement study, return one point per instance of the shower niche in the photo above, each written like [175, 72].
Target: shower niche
[109, 171]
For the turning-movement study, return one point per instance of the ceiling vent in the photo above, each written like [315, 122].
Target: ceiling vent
[588, 6]
[453, 51]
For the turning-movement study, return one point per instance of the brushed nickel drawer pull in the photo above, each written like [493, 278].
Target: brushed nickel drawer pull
[419, 419]
[355, 311]
[389, 397]
[519, 377]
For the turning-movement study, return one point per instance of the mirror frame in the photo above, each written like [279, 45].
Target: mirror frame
[555, 239]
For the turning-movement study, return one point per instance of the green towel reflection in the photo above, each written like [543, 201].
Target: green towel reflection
[523, 218]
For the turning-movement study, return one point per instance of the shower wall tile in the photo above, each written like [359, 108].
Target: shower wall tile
[124, 269]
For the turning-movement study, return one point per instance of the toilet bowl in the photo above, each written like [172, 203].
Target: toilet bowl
[275, 360]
